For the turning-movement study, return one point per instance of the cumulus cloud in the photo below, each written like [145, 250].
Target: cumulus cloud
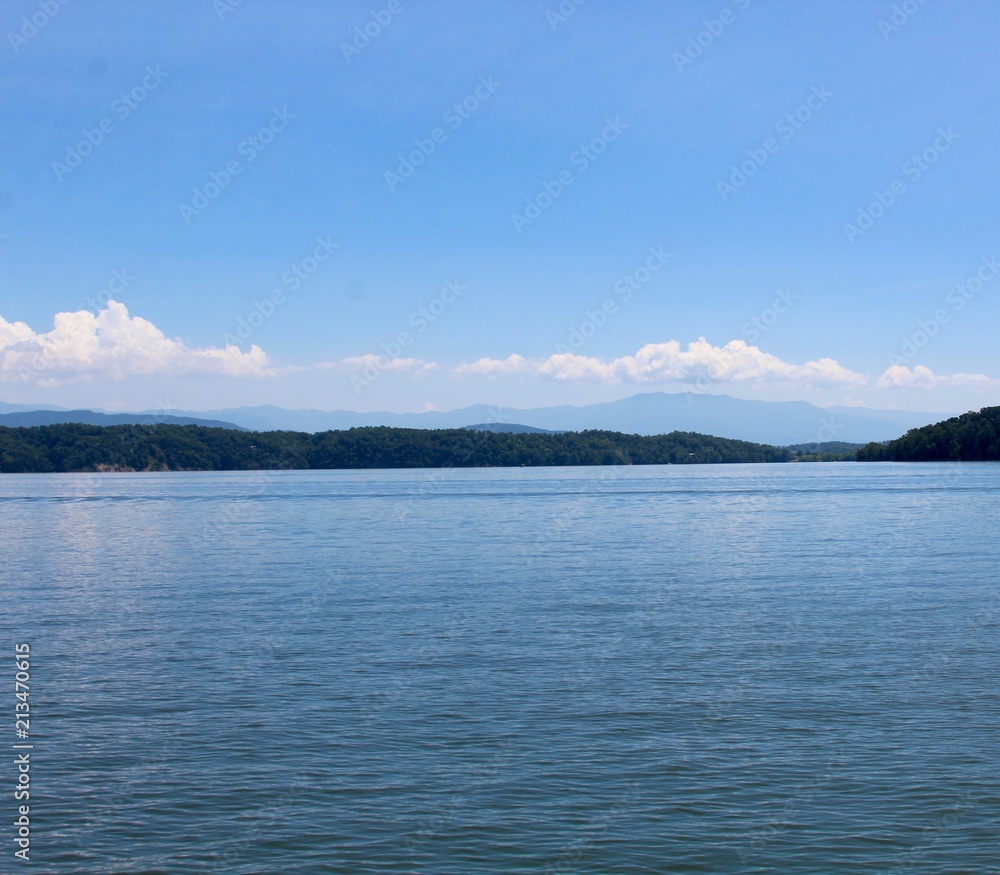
[900, 376]
[113, 345]
[736, 362]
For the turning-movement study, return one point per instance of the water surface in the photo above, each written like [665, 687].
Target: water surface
[734, 668]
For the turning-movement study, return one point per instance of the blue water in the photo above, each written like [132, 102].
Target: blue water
[719, 669]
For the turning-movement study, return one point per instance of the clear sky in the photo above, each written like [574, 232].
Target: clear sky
[250, 202]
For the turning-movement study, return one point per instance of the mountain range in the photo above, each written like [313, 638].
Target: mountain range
[779, 423]
[30, 417]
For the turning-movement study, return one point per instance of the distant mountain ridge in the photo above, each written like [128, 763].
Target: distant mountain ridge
[778, 423]
[29, 418]
[7, 407]
[507, 428]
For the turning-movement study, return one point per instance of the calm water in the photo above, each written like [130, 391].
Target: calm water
[719, 669]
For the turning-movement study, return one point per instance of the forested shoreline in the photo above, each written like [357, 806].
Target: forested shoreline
[81, 448]
[971, 437]
[75, 447]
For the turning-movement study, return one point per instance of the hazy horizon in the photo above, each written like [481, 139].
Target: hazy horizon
[122, 408]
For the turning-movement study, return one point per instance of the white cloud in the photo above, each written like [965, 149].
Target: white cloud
[381, 363]
[113, 345]
[899, 376]
[486, 367]
[736, 362]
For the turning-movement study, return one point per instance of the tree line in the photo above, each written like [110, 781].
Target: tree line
[75, 447]
[72, 447]
[971, 437]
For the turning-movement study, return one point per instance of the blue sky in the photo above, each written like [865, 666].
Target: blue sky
[253, 188]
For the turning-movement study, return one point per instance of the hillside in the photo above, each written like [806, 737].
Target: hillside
[971, 437]
[71, 447]
[508, 427]
[25, 418]
[825, 451]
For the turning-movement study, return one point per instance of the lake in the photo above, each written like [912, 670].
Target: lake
[718, 669]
